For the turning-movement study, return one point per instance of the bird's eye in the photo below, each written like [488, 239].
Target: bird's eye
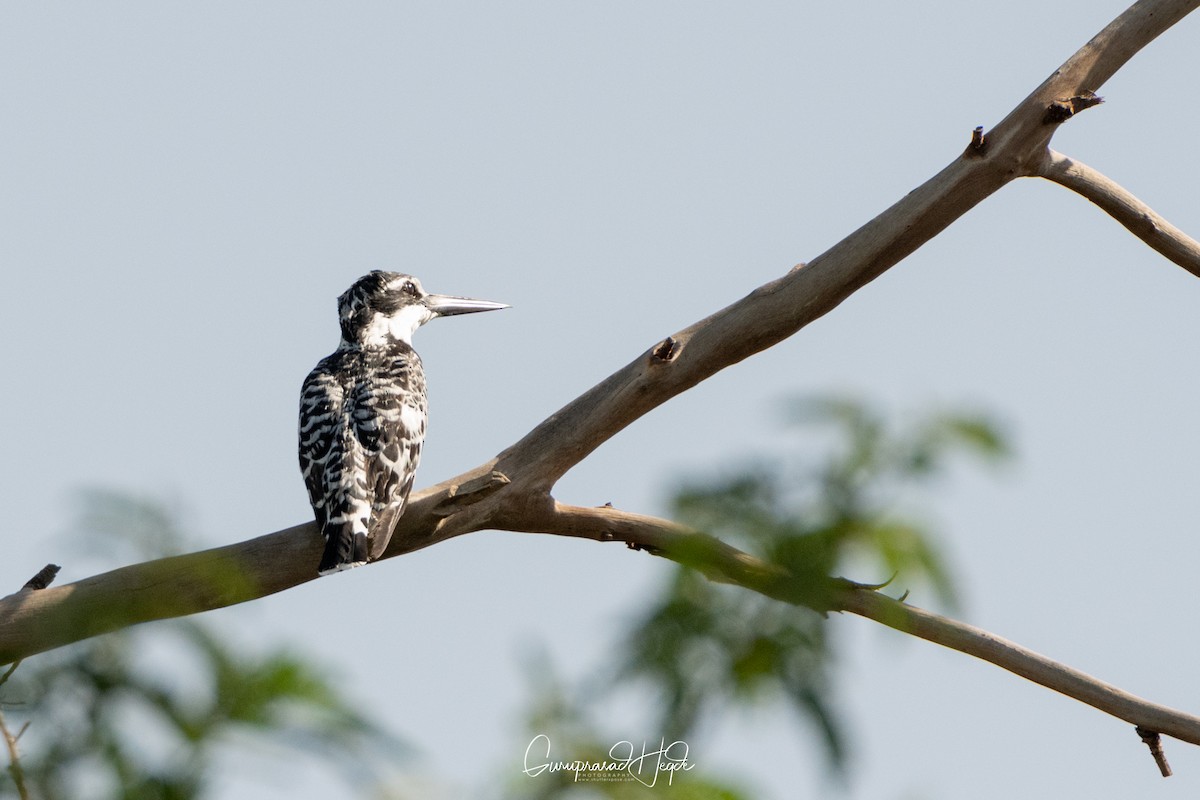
[409, 288]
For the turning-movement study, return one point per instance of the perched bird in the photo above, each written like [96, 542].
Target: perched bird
[363, 413]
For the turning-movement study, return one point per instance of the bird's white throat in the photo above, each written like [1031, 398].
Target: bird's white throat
[399, 326]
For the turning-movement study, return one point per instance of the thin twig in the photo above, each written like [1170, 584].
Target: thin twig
[14, 759]
[1141, 220]
[1022, 661]
[1154, 742]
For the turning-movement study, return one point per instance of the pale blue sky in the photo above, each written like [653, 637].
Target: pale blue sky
[187, 188]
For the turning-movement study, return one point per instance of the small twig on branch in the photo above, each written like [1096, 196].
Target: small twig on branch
[1062, 110]
[1121, 205]
[1024, 662]
[44, 577]
[978, 142]
[1154, 742]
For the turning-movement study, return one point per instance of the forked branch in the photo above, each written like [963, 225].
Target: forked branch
[1120, 204]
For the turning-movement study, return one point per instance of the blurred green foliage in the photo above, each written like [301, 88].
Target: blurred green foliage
[105, 721]
[702, 647]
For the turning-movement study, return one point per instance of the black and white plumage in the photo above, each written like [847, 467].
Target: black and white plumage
[363, 413]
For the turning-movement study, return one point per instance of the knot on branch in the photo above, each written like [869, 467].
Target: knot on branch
[978, 145]
[645, 548]
[44, 577]
[1063, 109]
[470, 492]
[666, 350]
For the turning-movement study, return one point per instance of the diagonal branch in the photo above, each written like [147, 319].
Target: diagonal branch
[779, 309]
[1024, 662]
[727, 564]
[1141, 220]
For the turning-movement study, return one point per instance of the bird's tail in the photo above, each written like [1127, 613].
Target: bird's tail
[346, 546]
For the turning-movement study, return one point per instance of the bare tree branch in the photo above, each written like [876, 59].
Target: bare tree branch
[1121, 205]
[513, 490]
[1153, 740]
[1024, 662]
[727, 564]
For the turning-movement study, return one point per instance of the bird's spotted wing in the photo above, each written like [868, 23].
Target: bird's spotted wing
[389, 420]
[320, 438]
[331, 460]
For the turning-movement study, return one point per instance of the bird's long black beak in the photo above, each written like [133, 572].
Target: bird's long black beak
[445, 305]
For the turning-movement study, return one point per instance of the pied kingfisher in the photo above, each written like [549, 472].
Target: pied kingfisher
[363, 413]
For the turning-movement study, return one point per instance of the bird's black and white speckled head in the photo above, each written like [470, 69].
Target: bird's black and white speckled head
[386, 307]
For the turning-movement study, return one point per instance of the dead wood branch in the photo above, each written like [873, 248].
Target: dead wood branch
[1120, 204]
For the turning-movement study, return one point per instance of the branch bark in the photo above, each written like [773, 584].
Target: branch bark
[1120, 204]
[1024, 662]
[513, 490]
